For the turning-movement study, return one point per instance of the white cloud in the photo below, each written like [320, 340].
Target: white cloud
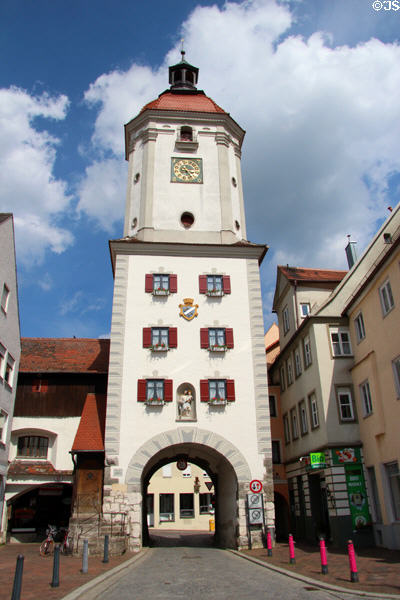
[322, 125]
[28, 187]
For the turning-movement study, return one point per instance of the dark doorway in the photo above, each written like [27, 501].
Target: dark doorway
[319, 507]
[281, 517]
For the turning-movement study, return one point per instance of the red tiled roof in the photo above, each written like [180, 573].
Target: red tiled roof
[66, 355]
[20, 467]
[186, 102]
[90, 434]
[312, 275]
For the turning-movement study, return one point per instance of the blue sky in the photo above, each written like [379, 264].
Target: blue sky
[314, 83]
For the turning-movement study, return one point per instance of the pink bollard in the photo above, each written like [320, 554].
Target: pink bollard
[324, 560]
[352, 561]
[292, 559]
[269, 543]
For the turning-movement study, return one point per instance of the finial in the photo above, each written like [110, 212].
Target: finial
[182, 50]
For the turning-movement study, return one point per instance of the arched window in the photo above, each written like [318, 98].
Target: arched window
[32, 446]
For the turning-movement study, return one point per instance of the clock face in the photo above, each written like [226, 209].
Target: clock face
[187, 170]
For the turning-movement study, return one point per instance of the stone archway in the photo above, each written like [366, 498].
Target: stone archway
[228, 466]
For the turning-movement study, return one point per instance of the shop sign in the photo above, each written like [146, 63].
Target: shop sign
[346, 456]
[357, 493]
[317, 460]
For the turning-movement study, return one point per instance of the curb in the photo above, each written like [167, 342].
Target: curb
[84, 591]
[314, 582]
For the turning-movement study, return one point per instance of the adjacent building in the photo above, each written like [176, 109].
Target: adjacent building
[9, 350]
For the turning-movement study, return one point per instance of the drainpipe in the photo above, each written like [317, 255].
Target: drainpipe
[297, 306]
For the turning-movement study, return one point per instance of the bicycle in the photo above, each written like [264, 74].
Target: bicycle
[47, 546]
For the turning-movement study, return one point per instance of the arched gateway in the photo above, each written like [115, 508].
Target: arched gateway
[187, 373]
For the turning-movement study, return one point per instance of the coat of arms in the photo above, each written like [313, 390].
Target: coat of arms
[188, 309]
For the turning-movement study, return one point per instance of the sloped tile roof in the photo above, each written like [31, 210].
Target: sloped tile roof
[29, 467]
[90, 434]
[64, 355]
[312, 275]
[198, 102]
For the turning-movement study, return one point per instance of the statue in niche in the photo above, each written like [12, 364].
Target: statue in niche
[185, 404]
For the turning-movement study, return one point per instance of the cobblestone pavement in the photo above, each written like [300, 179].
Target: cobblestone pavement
[197, 573]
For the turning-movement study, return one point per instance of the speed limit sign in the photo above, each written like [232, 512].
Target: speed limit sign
[256, 486]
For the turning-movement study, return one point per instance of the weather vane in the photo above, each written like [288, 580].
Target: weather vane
[182, 50]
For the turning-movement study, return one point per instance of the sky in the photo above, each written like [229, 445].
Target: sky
[315, 84]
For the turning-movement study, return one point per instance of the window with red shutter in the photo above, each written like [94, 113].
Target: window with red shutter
[204, 394]
[173, 337]
[141, 393]
[226, 283]
[167, 390]
[204, 337]
[146, 337]
[229, 337]
[173, 284]
[202, 284]
[148, 283]
[230, 390]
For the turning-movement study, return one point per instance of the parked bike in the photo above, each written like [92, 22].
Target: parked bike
[55, 535]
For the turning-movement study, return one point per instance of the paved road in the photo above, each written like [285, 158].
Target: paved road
[198, 573]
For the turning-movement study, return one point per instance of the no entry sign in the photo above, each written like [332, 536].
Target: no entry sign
[256, 486]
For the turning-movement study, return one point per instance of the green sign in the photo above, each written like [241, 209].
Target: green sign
[357, 493]
[317, 460]
[346, 456]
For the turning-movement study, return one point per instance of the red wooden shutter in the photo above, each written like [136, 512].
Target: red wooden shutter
[167, 390]
[148, 283]
[44, 385]
[173, 337]
[226, 283]
[229, 337]
[204, 394]
[202, 284]
[173, 284]
[230, 390]
[141, 390]
[204, 337]
[146, 337]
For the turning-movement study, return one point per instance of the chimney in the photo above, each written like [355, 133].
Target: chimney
[351, 253]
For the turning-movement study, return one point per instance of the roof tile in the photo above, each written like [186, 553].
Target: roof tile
[66, 355]
[198, 102]
[90, 434]
[312, 275]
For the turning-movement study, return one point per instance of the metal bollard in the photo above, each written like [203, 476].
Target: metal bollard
[106, 545]
[85, 556]
[269, 543]
[17, 586]
[55, 582]
[352, 561]
[292, 559]
[324, 560]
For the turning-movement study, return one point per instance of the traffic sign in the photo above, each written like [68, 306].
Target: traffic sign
[256, 486]
[254, 500]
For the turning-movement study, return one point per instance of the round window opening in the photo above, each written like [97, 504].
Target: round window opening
[187, 219]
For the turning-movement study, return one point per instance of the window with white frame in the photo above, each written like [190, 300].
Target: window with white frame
[303, 418]
[160, 283]
[386, 296]
[154, 390]
[285, 319]
[393, 476]
[5, 295]
[9, 372]
[276, 452]
[307, 352]
[2, 361]
[359, 327]
[297, 362]
[283, 381]
[167, 507]
[159, 337]
[396, 373]
[345, 404]
[215, 285]
[312, 400]
[365, 394]
[3, 425]
[340, 341]
[289, 371]
[295, 429]
[286, 428]
[304, 309]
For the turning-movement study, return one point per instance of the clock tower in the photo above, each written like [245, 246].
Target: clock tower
[187, 373]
